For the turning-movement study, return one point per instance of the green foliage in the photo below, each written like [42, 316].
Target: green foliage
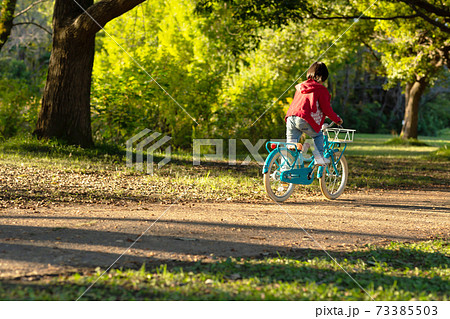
[13, 69]
[255, 84]
[178, 66]
[23, 67]
[398, 271]
[408, 48]
[444, 133]
[232, 80]
[435, 114]
[18, 102]
[365, 118]
[232, 69]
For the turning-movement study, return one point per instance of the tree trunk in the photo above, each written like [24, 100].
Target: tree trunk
[413, 93]
[6, 20]
[65, 111]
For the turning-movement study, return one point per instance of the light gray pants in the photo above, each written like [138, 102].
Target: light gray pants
[295, 126]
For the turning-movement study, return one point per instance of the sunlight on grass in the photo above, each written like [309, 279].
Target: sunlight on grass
[390, 151]
[375, 145]
[47, 171]
[398, 271]
[51, 170]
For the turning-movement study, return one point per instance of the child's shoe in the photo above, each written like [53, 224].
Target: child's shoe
[320, 160]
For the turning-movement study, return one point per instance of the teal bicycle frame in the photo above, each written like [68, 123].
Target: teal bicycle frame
[297, 172]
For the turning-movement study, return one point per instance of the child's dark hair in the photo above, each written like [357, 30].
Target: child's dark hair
[317, 72]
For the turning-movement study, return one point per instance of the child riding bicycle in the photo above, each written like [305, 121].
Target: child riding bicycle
[307, 112]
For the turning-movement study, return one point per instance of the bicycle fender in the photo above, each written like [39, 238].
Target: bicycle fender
[297, 176]
[268, 160]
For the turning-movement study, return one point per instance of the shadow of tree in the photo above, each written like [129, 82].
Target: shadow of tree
[304, 277]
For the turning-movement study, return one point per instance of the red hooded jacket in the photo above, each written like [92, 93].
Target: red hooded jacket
[312, 103]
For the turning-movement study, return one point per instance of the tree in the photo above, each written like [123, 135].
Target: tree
[65, 111]
[413, 52]
[168, 39]
[8, 17]
[6, 20]
[436, 13]
[411, 39]
[411, 36]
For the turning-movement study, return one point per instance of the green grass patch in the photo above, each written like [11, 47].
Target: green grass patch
[29, 149]
[443, 153]
[376, 145]
[399, 271]
[396, 172]
[401, 141]
[48, 171]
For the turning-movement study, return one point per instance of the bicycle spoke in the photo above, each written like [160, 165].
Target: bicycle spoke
[277, 189]
[335, 177]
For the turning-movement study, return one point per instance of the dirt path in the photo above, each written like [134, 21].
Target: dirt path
[71, 237]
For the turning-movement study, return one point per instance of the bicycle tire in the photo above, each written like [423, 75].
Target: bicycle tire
[276, 189]
[331, 185]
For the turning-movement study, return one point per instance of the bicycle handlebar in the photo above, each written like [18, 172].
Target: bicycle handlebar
[326, 126]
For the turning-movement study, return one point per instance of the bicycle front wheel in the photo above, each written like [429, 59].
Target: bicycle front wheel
[333, 181]
[278, 190]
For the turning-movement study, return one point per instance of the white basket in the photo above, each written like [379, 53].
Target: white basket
[340, 135]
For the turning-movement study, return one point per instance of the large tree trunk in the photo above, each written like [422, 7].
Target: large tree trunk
[413, 93]
[6, 20]
[65, 111]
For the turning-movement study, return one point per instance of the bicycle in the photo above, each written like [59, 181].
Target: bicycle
[287, 166]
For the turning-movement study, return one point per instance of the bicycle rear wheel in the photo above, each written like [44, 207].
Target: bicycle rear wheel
[333, 182]
[278, 190]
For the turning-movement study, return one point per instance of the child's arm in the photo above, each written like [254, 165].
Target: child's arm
[324, 101]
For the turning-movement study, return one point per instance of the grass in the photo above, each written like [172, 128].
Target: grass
[47, 171]
[408, 271]
[442, 153]
[383, 162]
[46, 153]
[401, 141]
[387, 146]
[36, 172]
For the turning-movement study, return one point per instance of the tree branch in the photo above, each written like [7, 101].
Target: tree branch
[419, 13]
[35, 24]
[94, 18]
[313, 15]
[29, 7]
[434, 22]
[371, 50]
[425, 5]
